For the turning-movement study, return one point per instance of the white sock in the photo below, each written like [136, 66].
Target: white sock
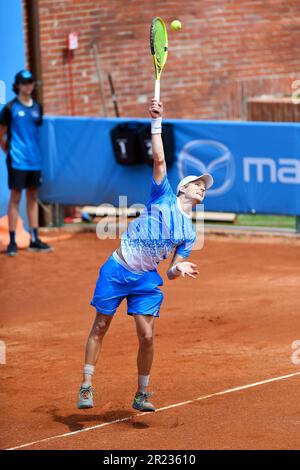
[88, 372]
[143, 382]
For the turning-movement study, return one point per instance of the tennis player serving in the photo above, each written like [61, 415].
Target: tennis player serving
[165, 226]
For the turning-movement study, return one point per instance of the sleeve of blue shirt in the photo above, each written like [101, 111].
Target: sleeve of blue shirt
[185, 248]
[159, 191]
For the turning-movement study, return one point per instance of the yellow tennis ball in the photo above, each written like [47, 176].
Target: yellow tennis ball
[176, 25]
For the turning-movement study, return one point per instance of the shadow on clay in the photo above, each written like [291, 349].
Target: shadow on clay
[84, 418]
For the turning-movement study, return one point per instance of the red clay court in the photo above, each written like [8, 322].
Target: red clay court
[232, 327]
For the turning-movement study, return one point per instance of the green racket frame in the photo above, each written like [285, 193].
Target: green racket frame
[159, 50]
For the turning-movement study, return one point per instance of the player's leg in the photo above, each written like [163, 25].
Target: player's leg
[92, 352]
[32, 207]
[33, 181]
[94, 345]
[144, 304]
[13, 214]
[144, 328]
[13, 209]
[16, 183]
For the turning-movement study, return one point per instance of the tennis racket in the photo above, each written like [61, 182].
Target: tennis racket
[159, 50]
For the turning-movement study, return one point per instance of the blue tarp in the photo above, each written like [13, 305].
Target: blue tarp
[256, 166]
[12, 60]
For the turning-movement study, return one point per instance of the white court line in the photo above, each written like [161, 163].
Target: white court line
[224, 392]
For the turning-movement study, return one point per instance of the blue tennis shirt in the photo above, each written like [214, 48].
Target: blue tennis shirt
[161, 227]
[22, 124]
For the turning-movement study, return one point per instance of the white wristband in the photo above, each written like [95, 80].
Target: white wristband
[156, 125]
[175, 271]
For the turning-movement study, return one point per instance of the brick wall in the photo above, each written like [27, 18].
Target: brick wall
[228, 50]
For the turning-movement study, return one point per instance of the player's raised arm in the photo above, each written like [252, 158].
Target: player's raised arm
[159, 163]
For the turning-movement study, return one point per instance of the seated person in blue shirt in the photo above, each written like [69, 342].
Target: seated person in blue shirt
[131, 271]
[19, 123]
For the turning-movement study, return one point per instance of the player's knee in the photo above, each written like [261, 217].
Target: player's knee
[146, 339]
[99, 329]
[15, 196]
[31, 194]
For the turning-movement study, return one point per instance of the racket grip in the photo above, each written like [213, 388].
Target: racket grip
[157, 90]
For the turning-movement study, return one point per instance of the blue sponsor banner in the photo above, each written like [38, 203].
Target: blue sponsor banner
[256, 166]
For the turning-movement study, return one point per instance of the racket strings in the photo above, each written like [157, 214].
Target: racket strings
[158, 45]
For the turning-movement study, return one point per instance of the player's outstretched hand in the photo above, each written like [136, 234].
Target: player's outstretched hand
[187, 269]
[156, 109]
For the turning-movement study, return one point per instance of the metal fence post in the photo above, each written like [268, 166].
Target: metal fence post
[57, 215]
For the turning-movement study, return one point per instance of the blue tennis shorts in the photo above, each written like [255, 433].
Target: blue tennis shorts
[115, 282]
